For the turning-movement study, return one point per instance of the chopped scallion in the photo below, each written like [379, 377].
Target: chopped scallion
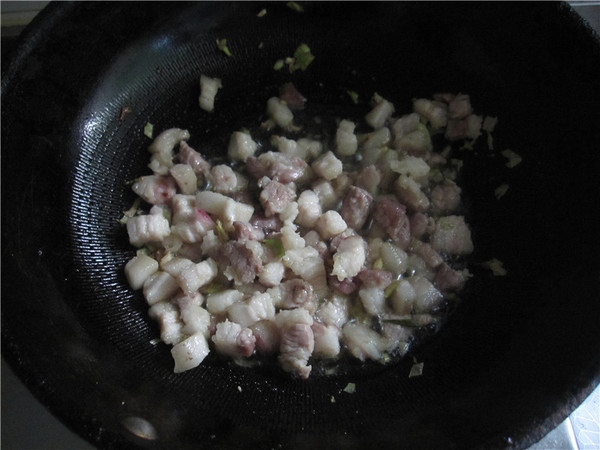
[222, 44]
[149, 130]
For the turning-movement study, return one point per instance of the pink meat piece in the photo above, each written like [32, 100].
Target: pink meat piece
[457, 129]
[369, 179]
[296, 346]
[346, 286]
[460, 107]
[267, 336]
[244, 231]
[375, 278]
[445, 198]
[291, 96]
[234, 257]
[187, 155]
[447, 278]
[267, 224]
[432, 258]
[418, 225]
[275, 197]
[297, 293]
[391, 215]
[277, 166]
[356, 207]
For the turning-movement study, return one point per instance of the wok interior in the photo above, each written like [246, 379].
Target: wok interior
[514, 356]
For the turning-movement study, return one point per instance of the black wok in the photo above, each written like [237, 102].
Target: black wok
[515, 357]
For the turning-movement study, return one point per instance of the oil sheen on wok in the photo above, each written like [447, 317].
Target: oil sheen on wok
[305, 244]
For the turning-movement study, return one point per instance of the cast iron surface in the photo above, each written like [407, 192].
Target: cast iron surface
[515, 357]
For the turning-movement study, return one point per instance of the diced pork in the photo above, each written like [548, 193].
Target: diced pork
[147, 228]
[297, 293]
[276, 196]
[187, 155]
[378, 278]
[452, 236]
[296, 347]
[349, 258]
[244, 231]
[356, 207]
[208, 91]
[346, 141]
[233, 340]
[279, 112]
[327, 341]
[380, 113]
[362, 342]
[190, 352]
[291, 96]
[435, 112]
[447, 278]
[241, 146]
[266, 333]
[445, 198]
[459, 107]
[369, 179]
[276, 166]
[155, 189]
[391, 215]
[236, 261]
[258, 307]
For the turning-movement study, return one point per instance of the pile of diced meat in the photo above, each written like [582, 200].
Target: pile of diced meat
[307, 249]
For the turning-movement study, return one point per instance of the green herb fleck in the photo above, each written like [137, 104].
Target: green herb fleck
[220, 231]
[302, 58]
[354, 96]
[501, 191]
[262, 13]
[496, 267]
[276, 245]
[222, 44]
[278, 64]
[149, 130]
[391, 288]
[295, 6]
[350, 388]
[212, 288]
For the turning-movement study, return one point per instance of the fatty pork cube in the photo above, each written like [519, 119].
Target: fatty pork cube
[195, 318]
[258, 307]
[162, 149]
[225, 208]
[349, 258]
[373, 300]
[189, 223]
[393, 258]
[241, 146]
[138, 269]
[155, 189]
[277, 166]
[147, 228]
[313, 148]
[224, 180]
[190, 352]
[330, 224]
[266, 333]
[297, 340]
[409, 192]
[279, 112]
[427, 296]
[445, 198]
[377, 139]
[233, 340]
[218, 302]
[452, 236]
[208, 91]
[334, 311]
[362, 342]
[416, 143]
[435, 112]
[308, 265]
[346, 141]
[327, 166]
[327, 340]
[271, 274]
[328, 199]
[159, 286]
[403, 126]
[412, 166]
[403, 298]
[195, 276]
[380, 113]
[186, 179]
[295, 293]
[167, 316]
[187, 155]
[447, 278]
[460, 107]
